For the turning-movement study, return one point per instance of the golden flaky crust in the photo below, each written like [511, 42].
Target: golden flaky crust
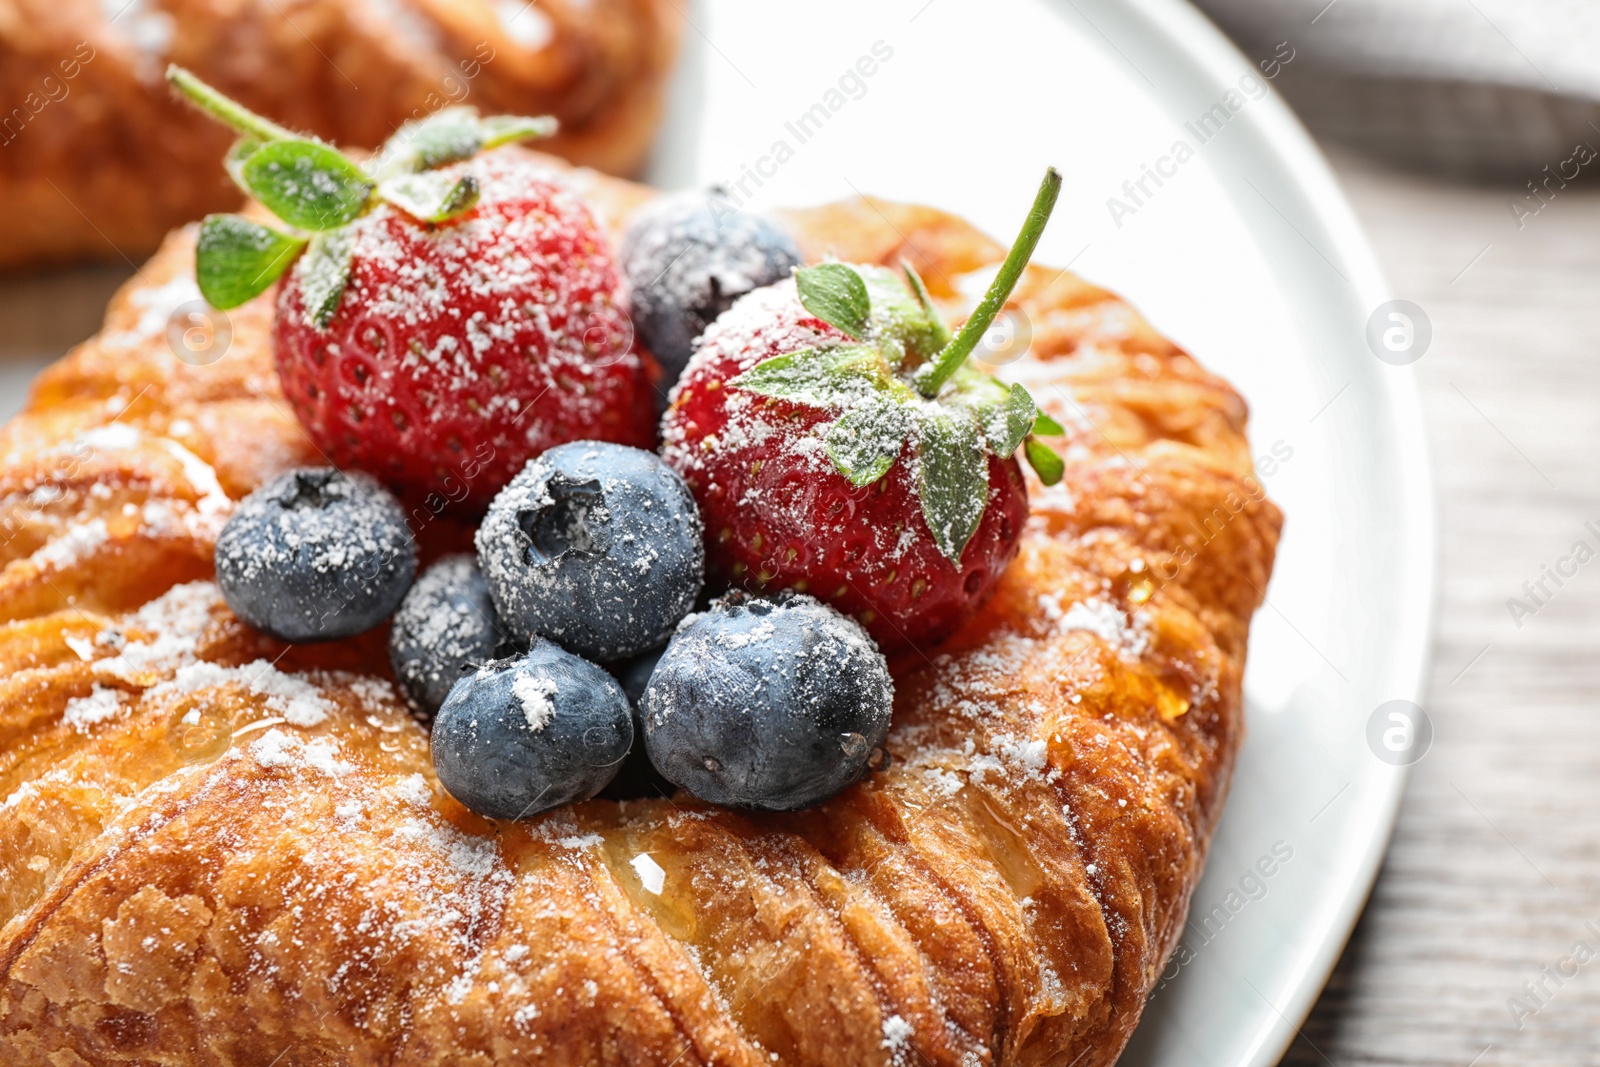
[216, 850]
[98, 160]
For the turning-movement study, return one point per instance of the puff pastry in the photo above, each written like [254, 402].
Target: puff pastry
[219, 850]
[98, 160]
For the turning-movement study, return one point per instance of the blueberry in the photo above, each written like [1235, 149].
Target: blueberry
[767, 703]
[595, 546]
[637, 778]
[446, 626]
[316, 554]
[523, 735]
[687, 258]
[634, 674]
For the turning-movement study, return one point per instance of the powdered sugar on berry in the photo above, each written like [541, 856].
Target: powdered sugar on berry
[458, 351]
[536, 695]
[780, 514]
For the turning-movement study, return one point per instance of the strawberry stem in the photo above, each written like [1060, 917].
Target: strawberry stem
[223, 109]
[949, 360]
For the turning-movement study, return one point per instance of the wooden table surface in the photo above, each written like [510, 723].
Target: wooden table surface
[1466, 954]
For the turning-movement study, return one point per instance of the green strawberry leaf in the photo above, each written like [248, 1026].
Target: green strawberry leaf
[1011, 421]
[306, 184]
[1005, 413]
[940, 328]
[236, 259]
[1044, 461]
[325, 275]
[454, 134]
[835, 294]
[865, 441]
[431, 196]
[234, 161]
[444, 137]
[504, 129]
[816, 377]
[1047, 426]
[955, 481]
[906, 332]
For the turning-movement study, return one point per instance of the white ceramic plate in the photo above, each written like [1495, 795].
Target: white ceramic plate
[1247, 255]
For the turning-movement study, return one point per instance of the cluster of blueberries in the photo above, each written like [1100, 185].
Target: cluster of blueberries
[570, 633]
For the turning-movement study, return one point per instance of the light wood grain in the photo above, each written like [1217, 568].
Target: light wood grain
[1494, 869]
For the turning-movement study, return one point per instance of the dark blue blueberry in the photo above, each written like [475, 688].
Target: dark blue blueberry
[687, 258]
[595, 546]
[316, 554]
[637, 778]
[446, 626]
[634, 674]
[767, 703]
[523, 735]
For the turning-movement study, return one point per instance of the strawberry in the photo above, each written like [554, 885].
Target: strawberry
[445, 316]
[838, 444]
[469, 347]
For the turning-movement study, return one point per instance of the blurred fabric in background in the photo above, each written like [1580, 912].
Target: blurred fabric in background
[1478, 89]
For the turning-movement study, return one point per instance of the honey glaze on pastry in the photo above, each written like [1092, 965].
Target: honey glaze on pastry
[217, 849]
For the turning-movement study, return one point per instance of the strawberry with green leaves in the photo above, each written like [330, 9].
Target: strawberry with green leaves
[839, 444]
[447, 311]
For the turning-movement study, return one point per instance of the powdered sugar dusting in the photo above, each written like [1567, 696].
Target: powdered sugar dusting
[896, 1036]
[176, 620]
[512, 310]
[275, 749]
[535, 694]
[76, 544]
[772, 494]
[1127, 634]
[155, 307]
[101, 704]
[297, 700]
[467, 855]
[413, 789]
[201, 519]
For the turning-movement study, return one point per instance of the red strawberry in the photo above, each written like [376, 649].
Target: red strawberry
[837, 444]
[460, 351]
[779, 514]
[447, 316]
